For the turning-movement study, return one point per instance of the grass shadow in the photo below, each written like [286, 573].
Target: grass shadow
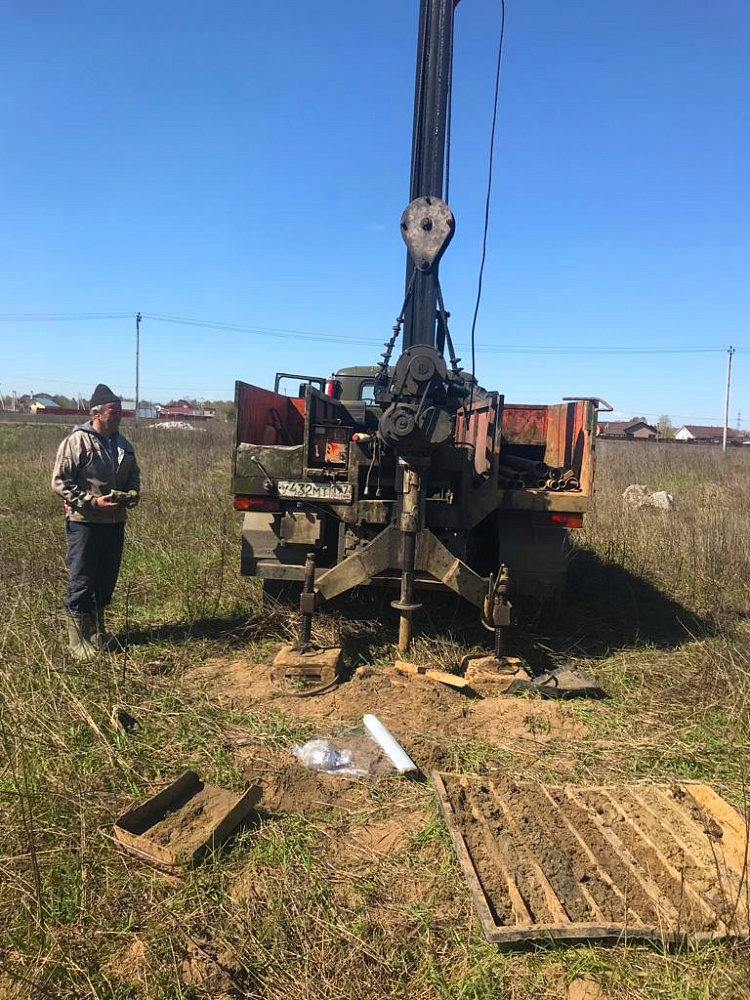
[231, 630]
[605, 609]
[369, 625]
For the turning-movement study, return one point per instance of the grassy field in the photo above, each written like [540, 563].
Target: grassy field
[355, 892]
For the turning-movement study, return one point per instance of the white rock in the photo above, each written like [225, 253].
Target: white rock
[173, 425]
[659, 499]
[641, 496]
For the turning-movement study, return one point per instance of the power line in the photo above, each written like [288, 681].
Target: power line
[485, 348]
[274, 332]
[557, 350]
[290, 334]
[685, 417]
[39, 378]
[713, 420]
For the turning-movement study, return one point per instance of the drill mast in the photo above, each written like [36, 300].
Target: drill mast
[431, 90]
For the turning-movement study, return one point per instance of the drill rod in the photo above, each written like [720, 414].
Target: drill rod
[409, 523]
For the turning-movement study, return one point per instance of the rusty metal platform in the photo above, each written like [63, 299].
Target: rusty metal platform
[664, 862]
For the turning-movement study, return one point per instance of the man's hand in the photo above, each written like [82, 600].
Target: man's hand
[128, 498]
[107, 502]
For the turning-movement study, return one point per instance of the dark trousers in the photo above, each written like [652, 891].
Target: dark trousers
[94, 556]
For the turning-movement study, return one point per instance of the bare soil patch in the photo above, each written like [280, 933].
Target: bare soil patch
[289, 786]
[385, 836]
[410, 707]
[131, 962]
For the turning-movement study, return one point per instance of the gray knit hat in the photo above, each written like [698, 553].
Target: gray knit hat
[101, 395]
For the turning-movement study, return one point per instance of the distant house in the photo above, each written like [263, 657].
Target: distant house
[709, 435]
[40, 401]
[147, 412]
[184, 410]
[43, 405]
[628, 430]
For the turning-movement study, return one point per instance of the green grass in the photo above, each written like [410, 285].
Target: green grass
[289, 910]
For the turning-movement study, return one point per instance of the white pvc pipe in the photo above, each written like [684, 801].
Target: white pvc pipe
[391, 747]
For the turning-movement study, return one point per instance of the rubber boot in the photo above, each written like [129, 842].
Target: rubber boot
[104, 639]
[81, 630]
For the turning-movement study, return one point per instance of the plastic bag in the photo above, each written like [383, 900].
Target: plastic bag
[322, 755]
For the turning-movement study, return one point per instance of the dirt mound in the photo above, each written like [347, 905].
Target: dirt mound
[417, 711]
[295, 788]
[439, 727]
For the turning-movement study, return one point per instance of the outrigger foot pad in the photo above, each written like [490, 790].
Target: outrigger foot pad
[306, 670]
[494, 674]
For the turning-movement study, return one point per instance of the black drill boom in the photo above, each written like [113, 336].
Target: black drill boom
[431, 89]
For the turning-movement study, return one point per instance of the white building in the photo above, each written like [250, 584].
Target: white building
[708, 435]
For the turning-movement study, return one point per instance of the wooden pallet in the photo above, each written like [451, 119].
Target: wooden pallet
[664, 863]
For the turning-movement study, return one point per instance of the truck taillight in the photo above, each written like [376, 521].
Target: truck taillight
[256, 504]
[550, 520]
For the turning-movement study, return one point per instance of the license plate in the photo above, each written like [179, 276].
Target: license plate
[333, 492]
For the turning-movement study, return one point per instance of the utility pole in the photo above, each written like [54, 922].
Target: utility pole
[137, 361]
[730, 352]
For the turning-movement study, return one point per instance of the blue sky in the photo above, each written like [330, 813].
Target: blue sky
[247, 163]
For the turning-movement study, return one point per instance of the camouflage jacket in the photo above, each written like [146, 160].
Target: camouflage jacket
[85, 469]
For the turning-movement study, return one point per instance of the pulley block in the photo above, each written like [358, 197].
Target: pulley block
[427, 226]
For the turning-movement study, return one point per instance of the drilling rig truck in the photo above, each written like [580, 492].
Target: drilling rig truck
[408, 473]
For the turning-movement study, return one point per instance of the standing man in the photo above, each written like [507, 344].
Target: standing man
[93, 461]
